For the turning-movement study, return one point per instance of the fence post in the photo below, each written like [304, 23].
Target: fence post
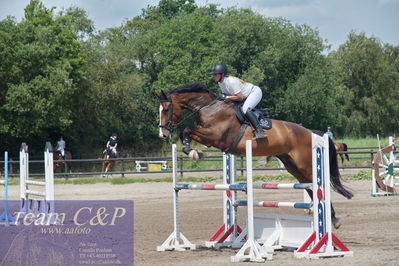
[181, 166]
[123, 168]
[65, 167]
[242, 166]
[10, 169]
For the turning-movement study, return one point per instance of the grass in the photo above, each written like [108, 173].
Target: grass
[362, 175]
[281, 177]
[216, 163]
[364, 142]
[122, 180]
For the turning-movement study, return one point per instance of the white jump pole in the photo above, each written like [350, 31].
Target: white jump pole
[49, 177]
[23, 176]
[173, 242]
[255, 252]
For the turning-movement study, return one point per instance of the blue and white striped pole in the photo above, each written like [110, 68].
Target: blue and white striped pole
[6, 215]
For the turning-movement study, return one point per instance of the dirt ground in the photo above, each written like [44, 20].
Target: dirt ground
[370, 224]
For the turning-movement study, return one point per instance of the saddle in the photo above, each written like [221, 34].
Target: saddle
[261, 114]
[263, 118]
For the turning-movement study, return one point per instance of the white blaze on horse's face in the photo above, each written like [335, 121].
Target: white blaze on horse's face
[163, 132]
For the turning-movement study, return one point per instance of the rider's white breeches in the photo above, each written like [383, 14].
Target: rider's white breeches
[253, 99]
[62, 152]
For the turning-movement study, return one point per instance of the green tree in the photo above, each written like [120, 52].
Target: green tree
[167, 9]
[313, 100]
[116, 97]
[41, 65]
[367, 70]
[271, 53]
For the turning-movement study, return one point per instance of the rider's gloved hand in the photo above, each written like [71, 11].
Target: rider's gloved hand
[221, 97]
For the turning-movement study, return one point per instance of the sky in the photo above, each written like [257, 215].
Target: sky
[334, 19]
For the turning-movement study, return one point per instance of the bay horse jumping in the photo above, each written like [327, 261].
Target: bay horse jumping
[62, 163]
[218, 126]
[339, 147]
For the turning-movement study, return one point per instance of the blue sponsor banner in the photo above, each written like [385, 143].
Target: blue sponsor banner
[77, 233]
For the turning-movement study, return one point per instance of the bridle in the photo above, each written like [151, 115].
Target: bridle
[169, 124]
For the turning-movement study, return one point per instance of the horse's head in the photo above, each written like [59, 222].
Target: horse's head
[194, 97]
[169, 113]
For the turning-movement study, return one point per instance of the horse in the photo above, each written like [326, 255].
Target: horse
[108, 165]
[61, 164]
[219, 127]
[341, 147]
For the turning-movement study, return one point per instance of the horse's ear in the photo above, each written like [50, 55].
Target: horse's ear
[156, 95]
[163, 96]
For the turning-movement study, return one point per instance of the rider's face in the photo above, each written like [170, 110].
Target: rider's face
[217, 77]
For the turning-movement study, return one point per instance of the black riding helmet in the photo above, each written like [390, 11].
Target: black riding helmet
[219, 69]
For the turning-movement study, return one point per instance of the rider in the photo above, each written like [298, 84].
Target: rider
[60, 147]
[112, 143]
[330, 133]
[238, 90]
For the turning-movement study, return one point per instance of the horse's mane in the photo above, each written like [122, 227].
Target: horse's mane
[196, 87]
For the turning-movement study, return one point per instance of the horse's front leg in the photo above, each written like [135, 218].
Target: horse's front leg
[201, 135]
[185, 138]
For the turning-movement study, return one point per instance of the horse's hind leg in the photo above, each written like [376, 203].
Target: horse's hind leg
[335, 220]
[304, 175]
[103, 169]
[107, 170]
[342, 158]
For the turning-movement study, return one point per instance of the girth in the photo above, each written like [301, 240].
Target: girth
[233, 147]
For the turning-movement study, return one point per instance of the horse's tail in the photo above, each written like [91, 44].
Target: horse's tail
[335, 177]
[346, 149]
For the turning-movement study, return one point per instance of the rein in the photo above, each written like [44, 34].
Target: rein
[169, 125]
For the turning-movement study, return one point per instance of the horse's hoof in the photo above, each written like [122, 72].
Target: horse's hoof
[193, 154]
[196, 155]
[336, 222]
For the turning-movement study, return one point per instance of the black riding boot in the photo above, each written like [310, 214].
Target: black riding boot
[258, 130]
